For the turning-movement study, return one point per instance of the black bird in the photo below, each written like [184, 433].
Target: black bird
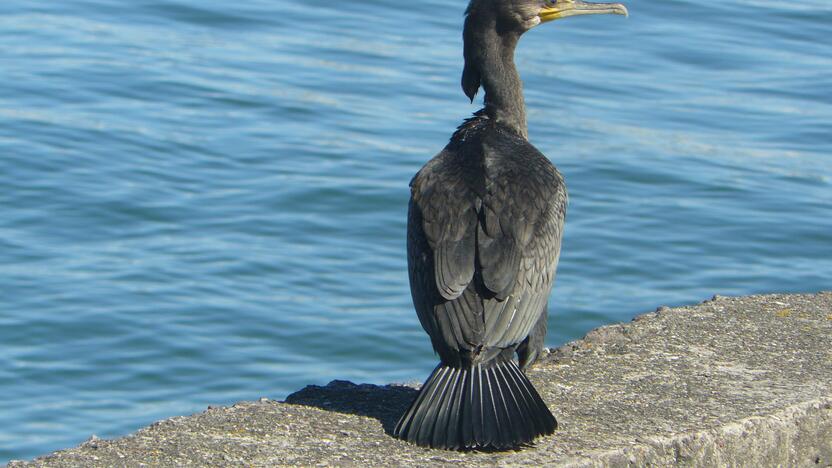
[483, 239]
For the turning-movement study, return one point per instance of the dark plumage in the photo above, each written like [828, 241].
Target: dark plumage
[484, 234]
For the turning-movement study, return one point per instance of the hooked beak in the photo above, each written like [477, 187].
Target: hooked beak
[565, 8]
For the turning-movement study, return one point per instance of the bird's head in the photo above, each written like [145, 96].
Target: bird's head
[487, 20]
[522, 15]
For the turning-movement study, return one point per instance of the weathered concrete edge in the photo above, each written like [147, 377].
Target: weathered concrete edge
[776, 438]
[757, 440]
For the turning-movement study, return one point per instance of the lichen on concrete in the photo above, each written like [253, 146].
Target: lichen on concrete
[743, 381]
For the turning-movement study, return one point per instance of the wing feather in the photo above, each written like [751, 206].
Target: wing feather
[519, 236]
[483, 242]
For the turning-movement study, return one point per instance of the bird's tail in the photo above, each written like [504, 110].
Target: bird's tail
[490, 405]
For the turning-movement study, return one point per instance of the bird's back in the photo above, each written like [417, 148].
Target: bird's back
[484, 230]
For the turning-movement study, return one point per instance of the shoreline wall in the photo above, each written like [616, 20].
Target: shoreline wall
[732, 381]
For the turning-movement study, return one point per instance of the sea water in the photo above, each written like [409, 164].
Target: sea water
[205, 202]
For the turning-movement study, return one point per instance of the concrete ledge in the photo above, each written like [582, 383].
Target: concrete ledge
[730, 382]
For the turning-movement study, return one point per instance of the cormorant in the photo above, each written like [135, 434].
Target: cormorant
[484, 230]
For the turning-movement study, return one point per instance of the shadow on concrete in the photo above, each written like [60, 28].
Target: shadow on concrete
[384, 403]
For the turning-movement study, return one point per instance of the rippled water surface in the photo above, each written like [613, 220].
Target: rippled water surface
[204, 202]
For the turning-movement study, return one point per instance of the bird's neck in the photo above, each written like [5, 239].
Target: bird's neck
[503, 87]
[500, 80]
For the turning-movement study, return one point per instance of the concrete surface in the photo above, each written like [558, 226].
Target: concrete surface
[741, 381]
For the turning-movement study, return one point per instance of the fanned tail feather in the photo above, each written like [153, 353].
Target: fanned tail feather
[491, 405]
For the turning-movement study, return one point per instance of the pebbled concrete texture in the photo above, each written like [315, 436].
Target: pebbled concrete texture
[743, 381]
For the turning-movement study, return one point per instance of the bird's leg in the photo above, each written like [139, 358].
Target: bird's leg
[530, 349]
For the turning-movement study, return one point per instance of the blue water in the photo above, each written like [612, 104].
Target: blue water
[204, 202]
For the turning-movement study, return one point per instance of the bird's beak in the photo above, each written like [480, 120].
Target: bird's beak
[557, 9]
